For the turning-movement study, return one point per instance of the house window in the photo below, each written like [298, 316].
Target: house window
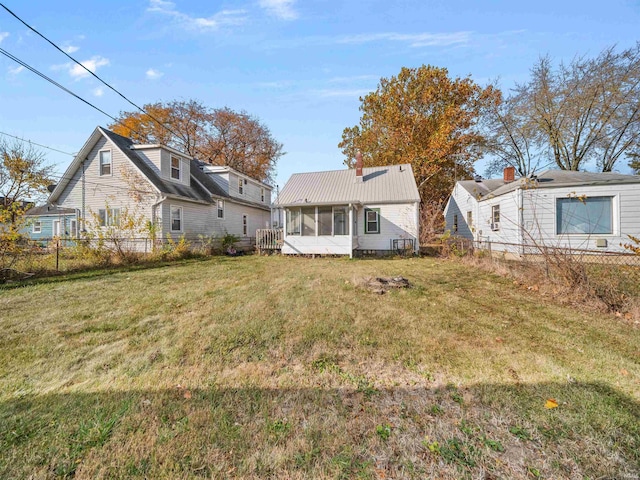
[245, 227]
[240, 187]
[455, 223]
[37, 227]
[293, 222]
[584, 215]
[109, 217]
[176, 168]
[495, 217]
[470, 218]
[371, 220]
[309, 221]
[262, 194]
[220, 208]
[176, 219]
[325, 220]
[340, 221]
[105, 162]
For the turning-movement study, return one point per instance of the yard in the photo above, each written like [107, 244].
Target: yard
[278, 367]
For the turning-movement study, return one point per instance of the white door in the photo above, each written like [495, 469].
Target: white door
[56, 228]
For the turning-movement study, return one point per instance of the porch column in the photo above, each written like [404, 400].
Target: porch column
[350, 231]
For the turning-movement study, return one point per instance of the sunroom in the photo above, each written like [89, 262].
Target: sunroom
[320, 230]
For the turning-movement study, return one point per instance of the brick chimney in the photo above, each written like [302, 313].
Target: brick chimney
[509, 174]
[359, 166]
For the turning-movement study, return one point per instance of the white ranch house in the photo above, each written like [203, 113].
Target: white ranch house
[175, 192]
[557, 208]
[349, 212]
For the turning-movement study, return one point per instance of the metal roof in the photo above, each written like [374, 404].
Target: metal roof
[547, 179]
[387, 184]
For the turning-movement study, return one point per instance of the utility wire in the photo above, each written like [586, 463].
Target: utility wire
[92, 74]
[37, 144]
[53, 82]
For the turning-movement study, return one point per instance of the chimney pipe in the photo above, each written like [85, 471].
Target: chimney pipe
[359, 164]
[509, 174]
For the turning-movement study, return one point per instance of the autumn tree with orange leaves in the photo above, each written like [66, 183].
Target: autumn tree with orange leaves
[425, 118]
[220, 136]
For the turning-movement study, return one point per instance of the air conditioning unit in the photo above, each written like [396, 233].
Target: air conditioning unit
[495, 226]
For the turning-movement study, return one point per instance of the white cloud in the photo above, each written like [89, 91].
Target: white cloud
[98, 92]
[221, 19]
[15, 70]
[76, 71]
[3, 35]
[283, 9]
[70, 49]
[154, 74]
[414, 40]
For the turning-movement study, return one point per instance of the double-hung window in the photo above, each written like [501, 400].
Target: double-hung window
[240, 187]
[262, 194]
[220, 208]
[176, 219]
[37, 227]
[371, 220]
[176, 168]
[455, 223]
[109, 217]
[245, 225]
[584, 215]
[105, 162]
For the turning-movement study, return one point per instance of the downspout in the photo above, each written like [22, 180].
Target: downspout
[84, 230]
[351, 230]
[521, 218]
[153, 210]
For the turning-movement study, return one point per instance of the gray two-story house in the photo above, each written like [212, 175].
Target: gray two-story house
[168, 189]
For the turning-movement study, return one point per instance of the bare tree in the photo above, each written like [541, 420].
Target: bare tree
[511, 137]
[589, 110]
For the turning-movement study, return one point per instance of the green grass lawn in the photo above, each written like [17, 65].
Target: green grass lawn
[271, 367]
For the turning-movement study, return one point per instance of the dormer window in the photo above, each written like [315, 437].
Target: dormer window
[262, 194]
[176, 168]
[105, 162]
[240, 186]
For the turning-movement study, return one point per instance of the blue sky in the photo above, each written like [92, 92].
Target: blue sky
[298, 65]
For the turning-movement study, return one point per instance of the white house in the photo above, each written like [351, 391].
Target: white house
[348, 212]
[557, 208]
[169, 189]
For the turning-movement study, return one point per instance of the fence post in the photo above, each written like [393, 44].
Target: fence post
[57, 254]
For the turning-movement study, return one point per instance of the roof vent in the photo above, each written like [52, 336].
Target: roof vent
[477, 178]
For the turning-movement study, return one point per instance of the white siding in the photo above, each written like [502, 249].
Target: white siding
[251, 190]
[508, 236]
[257, 218]
[197, 219]
[112, 190]
[396, 221]
[540, 216]
[460, 203]
[165, 168]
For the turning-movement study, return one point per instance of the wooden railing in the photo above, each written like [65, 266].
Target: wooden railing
[269, 240]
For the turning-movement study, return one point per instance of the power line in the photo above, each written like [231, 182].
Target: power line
[53, 82]
[92, 74]
[37, 144]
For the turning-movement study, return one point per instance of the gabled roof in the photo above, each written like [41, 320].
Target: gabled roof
[388, 184]
[548, 179]
[201, 187]
[49, 210]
